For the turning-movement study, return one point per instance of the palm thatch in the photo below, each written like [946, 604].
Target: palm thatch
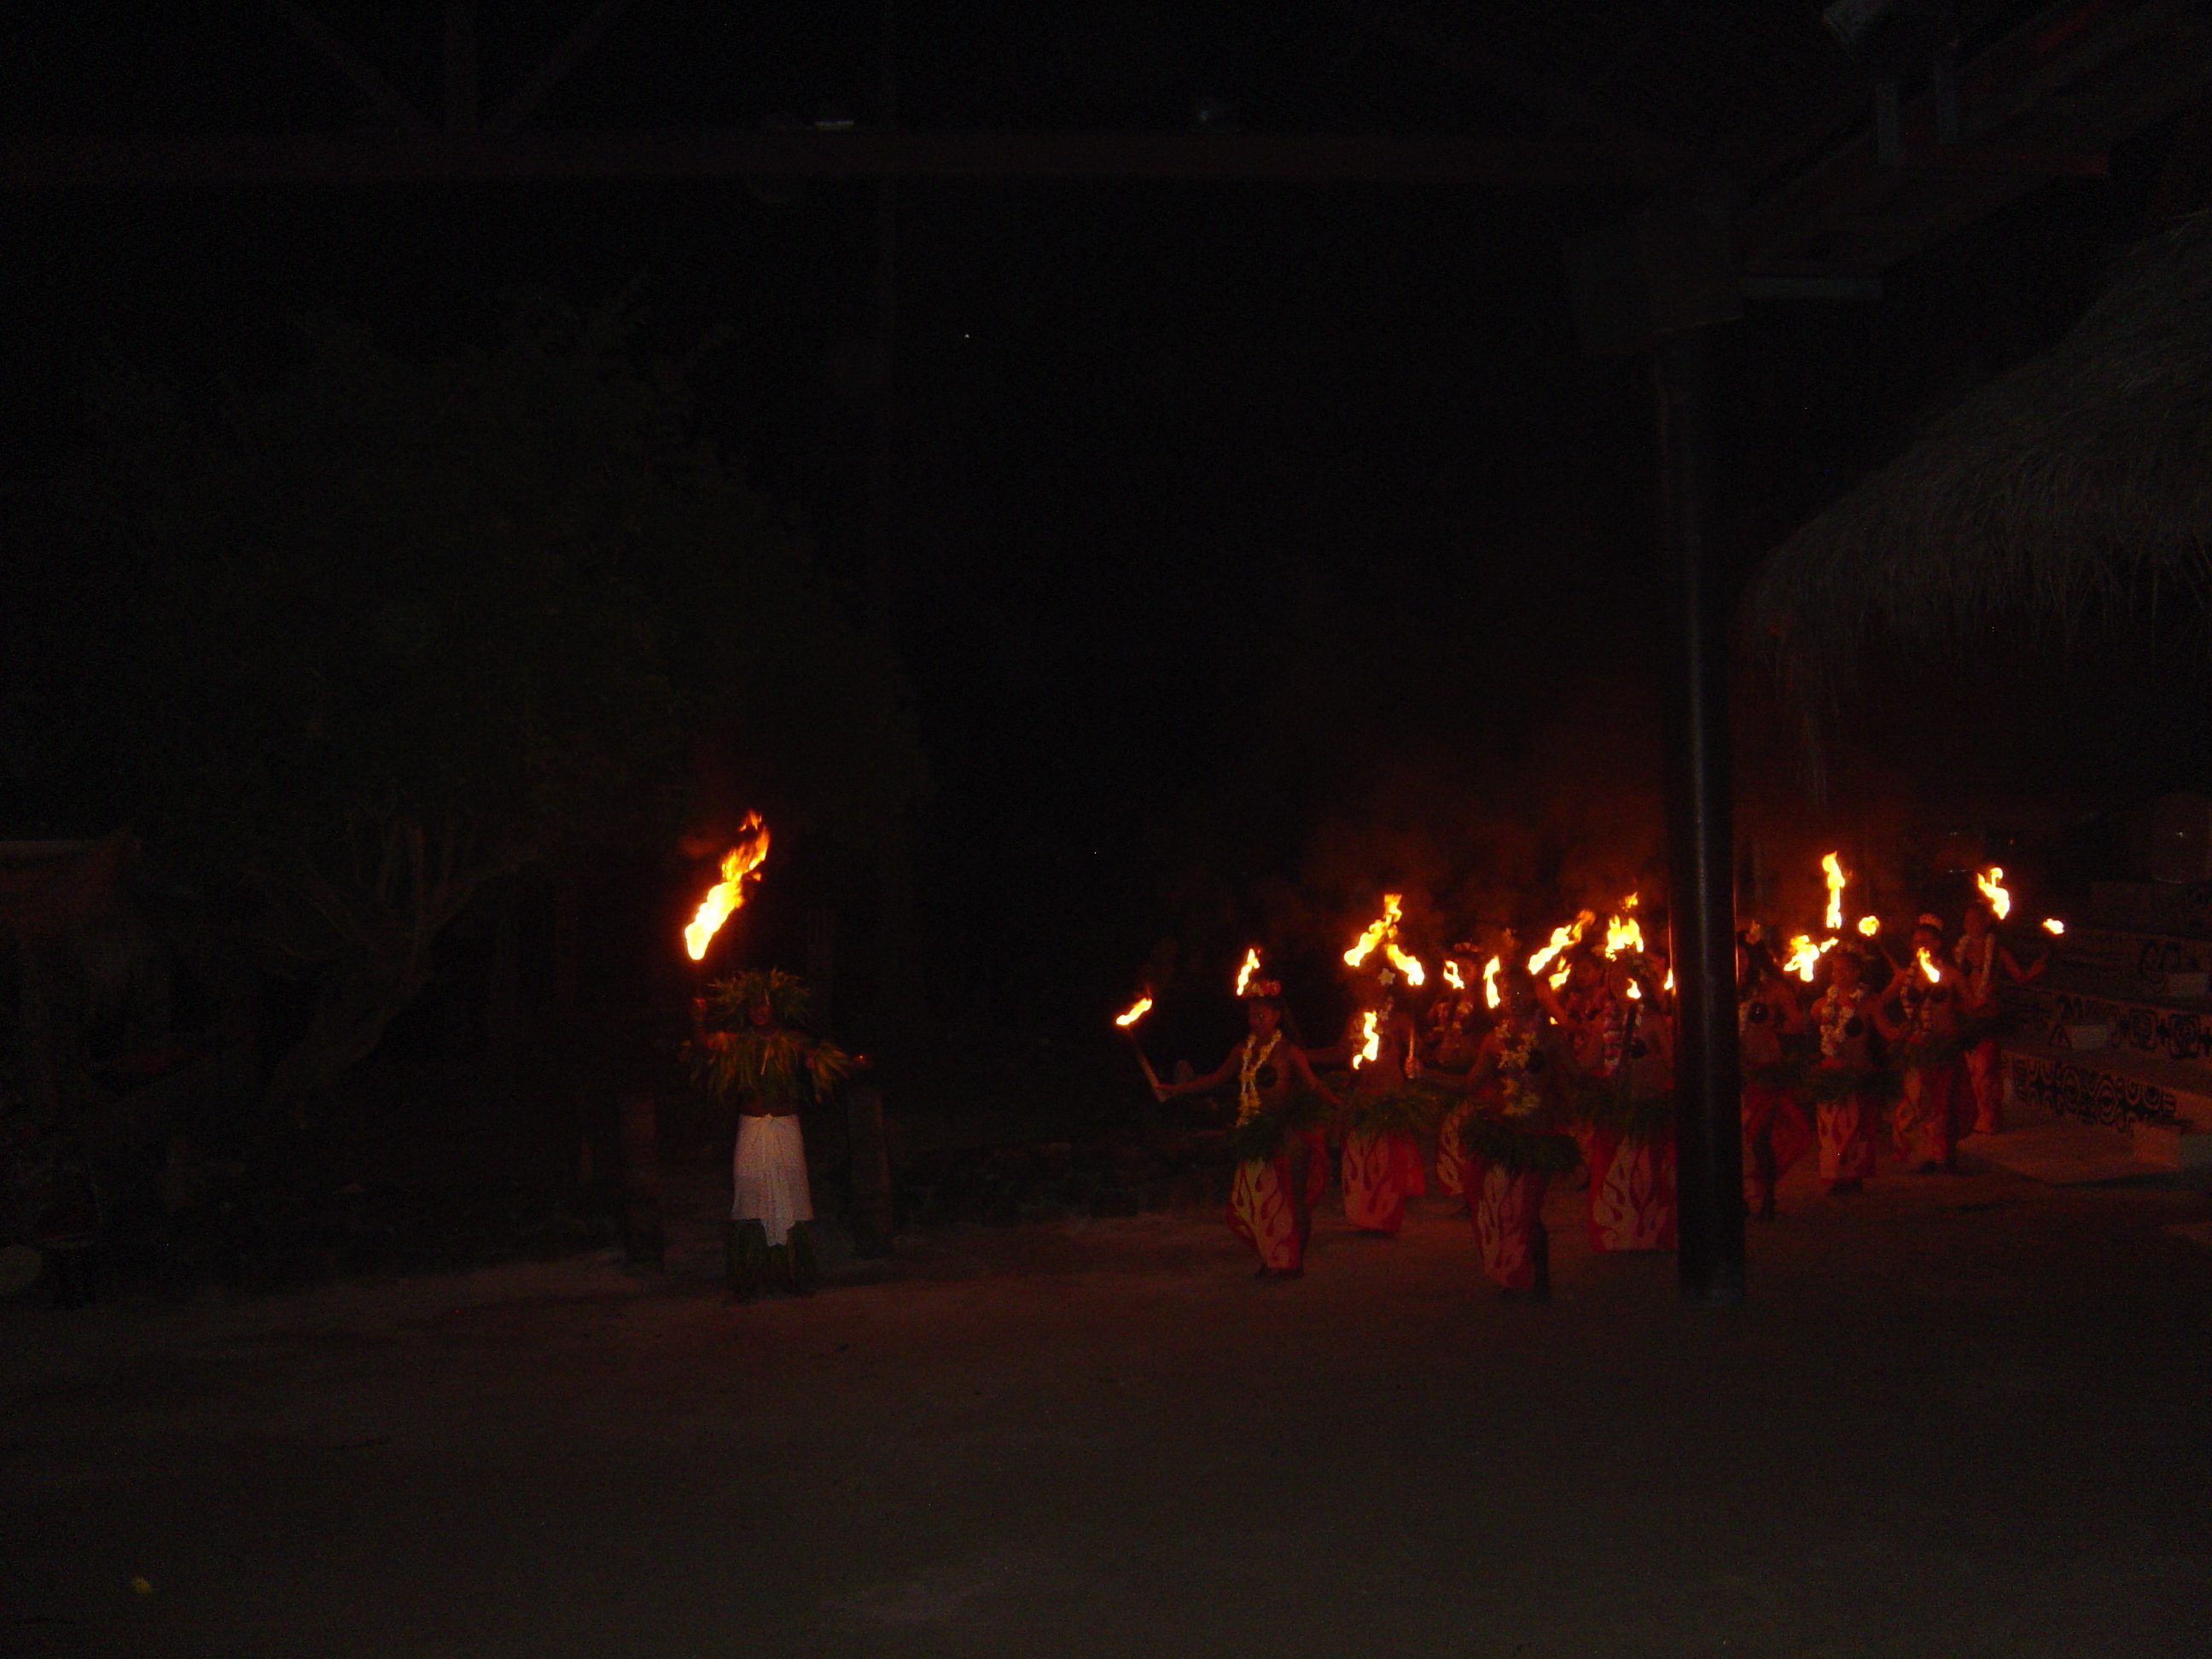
[2074, 492]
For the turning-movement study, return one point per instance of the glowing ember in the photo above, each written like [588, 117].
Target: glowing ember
[1869, 926]
[726, 895]
[1805, 956]
[2052, 925]
[1833, 867]
[1251, 967]
[1930, 967]
[1992, 886]
[1490, 982]
[1370, 1048]
[1562, 938]
[1135, 1012]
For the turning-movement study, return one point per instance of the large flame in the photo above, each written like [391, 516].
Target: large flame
[1930, 967]
[1384, 931]
[1135, 1012]
[1832, 868]
[1490, 982]
[1251, 967]
[1377, 931]
[2052, 925]
[1869, 926]
[1562, 938]
[1452, 976]
[1370, 1047]
[726, 895]
[1623, 934]
[1992, 886]
[1805, 957]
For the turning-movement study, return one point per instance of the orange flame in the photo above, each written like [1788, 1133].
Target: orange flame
[1833, 867]
[1624, 933]
[1669, 985]
[2052, 925]
[1371, 1049]
[1490, 982]
[1805, 957]
[726, 895]
[1135, 1012]
[1561, 938]
[1992, 886]
[1869, 926]
[1384, 932]
[1251, 967]
[1376, 931]
[1929, 966]
[1452, 976]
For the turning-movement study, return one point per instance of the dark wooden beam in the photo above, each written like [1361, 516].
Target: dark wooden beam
[2046, 101]
[60, 162]
[1563, 108]
[379, 92]
[554, 67]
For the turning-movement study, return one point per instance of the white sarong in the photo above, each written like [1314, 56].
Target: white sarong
[768, 1175]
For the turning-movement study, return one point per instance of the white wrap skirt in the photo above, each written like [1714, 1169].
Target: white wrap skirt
[768, 1175]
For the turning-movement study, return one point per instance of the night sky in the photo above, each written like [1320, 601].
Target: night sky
[1255, 544]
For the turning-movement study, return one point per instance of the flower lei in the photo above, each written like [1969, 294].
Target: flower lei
[1514, 1050]
[1834, 1014]
[1248, 1076]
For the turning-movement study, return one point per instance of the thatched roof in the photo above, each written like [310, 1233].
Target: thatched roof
[2075, 490]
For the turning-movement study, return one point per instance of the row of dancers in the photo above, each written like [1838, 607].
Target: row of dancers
[1512, 1078]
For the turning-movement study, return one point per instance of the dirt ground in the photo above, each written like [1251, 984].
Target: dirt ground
[1961, 1417]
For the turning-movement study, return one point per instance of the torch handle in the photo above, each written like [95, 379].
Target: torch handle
[1151, 1076]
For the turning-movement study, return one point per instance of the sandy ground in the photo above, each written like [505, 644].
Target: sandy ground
[1962, 1417]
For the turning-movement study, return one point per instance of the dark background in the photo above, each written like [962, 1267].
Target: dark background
[1255, 546]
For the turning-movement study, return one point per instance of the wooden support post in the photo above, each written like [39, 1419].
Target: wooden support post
[1708, 1135]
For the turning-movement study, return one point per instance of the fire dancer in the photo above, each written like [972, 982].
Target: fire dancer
[1511, 1143]
[1770, 1023]
[1457, 1019]
[1934, 1103]
[766, 1065]
[1846, 1083]
[1979, 955]
[1384, 1115]
[1626, 1115]
[1268, 1206]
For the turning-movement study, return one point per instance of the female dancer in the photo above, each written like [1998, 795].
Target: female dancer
[1769, 1020]
[1268, 1206]
[1979, 957]
[1382, 1156]
[1933, 1104]
[1627, 1115]
[1511, 1144]
[1846, 1083]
